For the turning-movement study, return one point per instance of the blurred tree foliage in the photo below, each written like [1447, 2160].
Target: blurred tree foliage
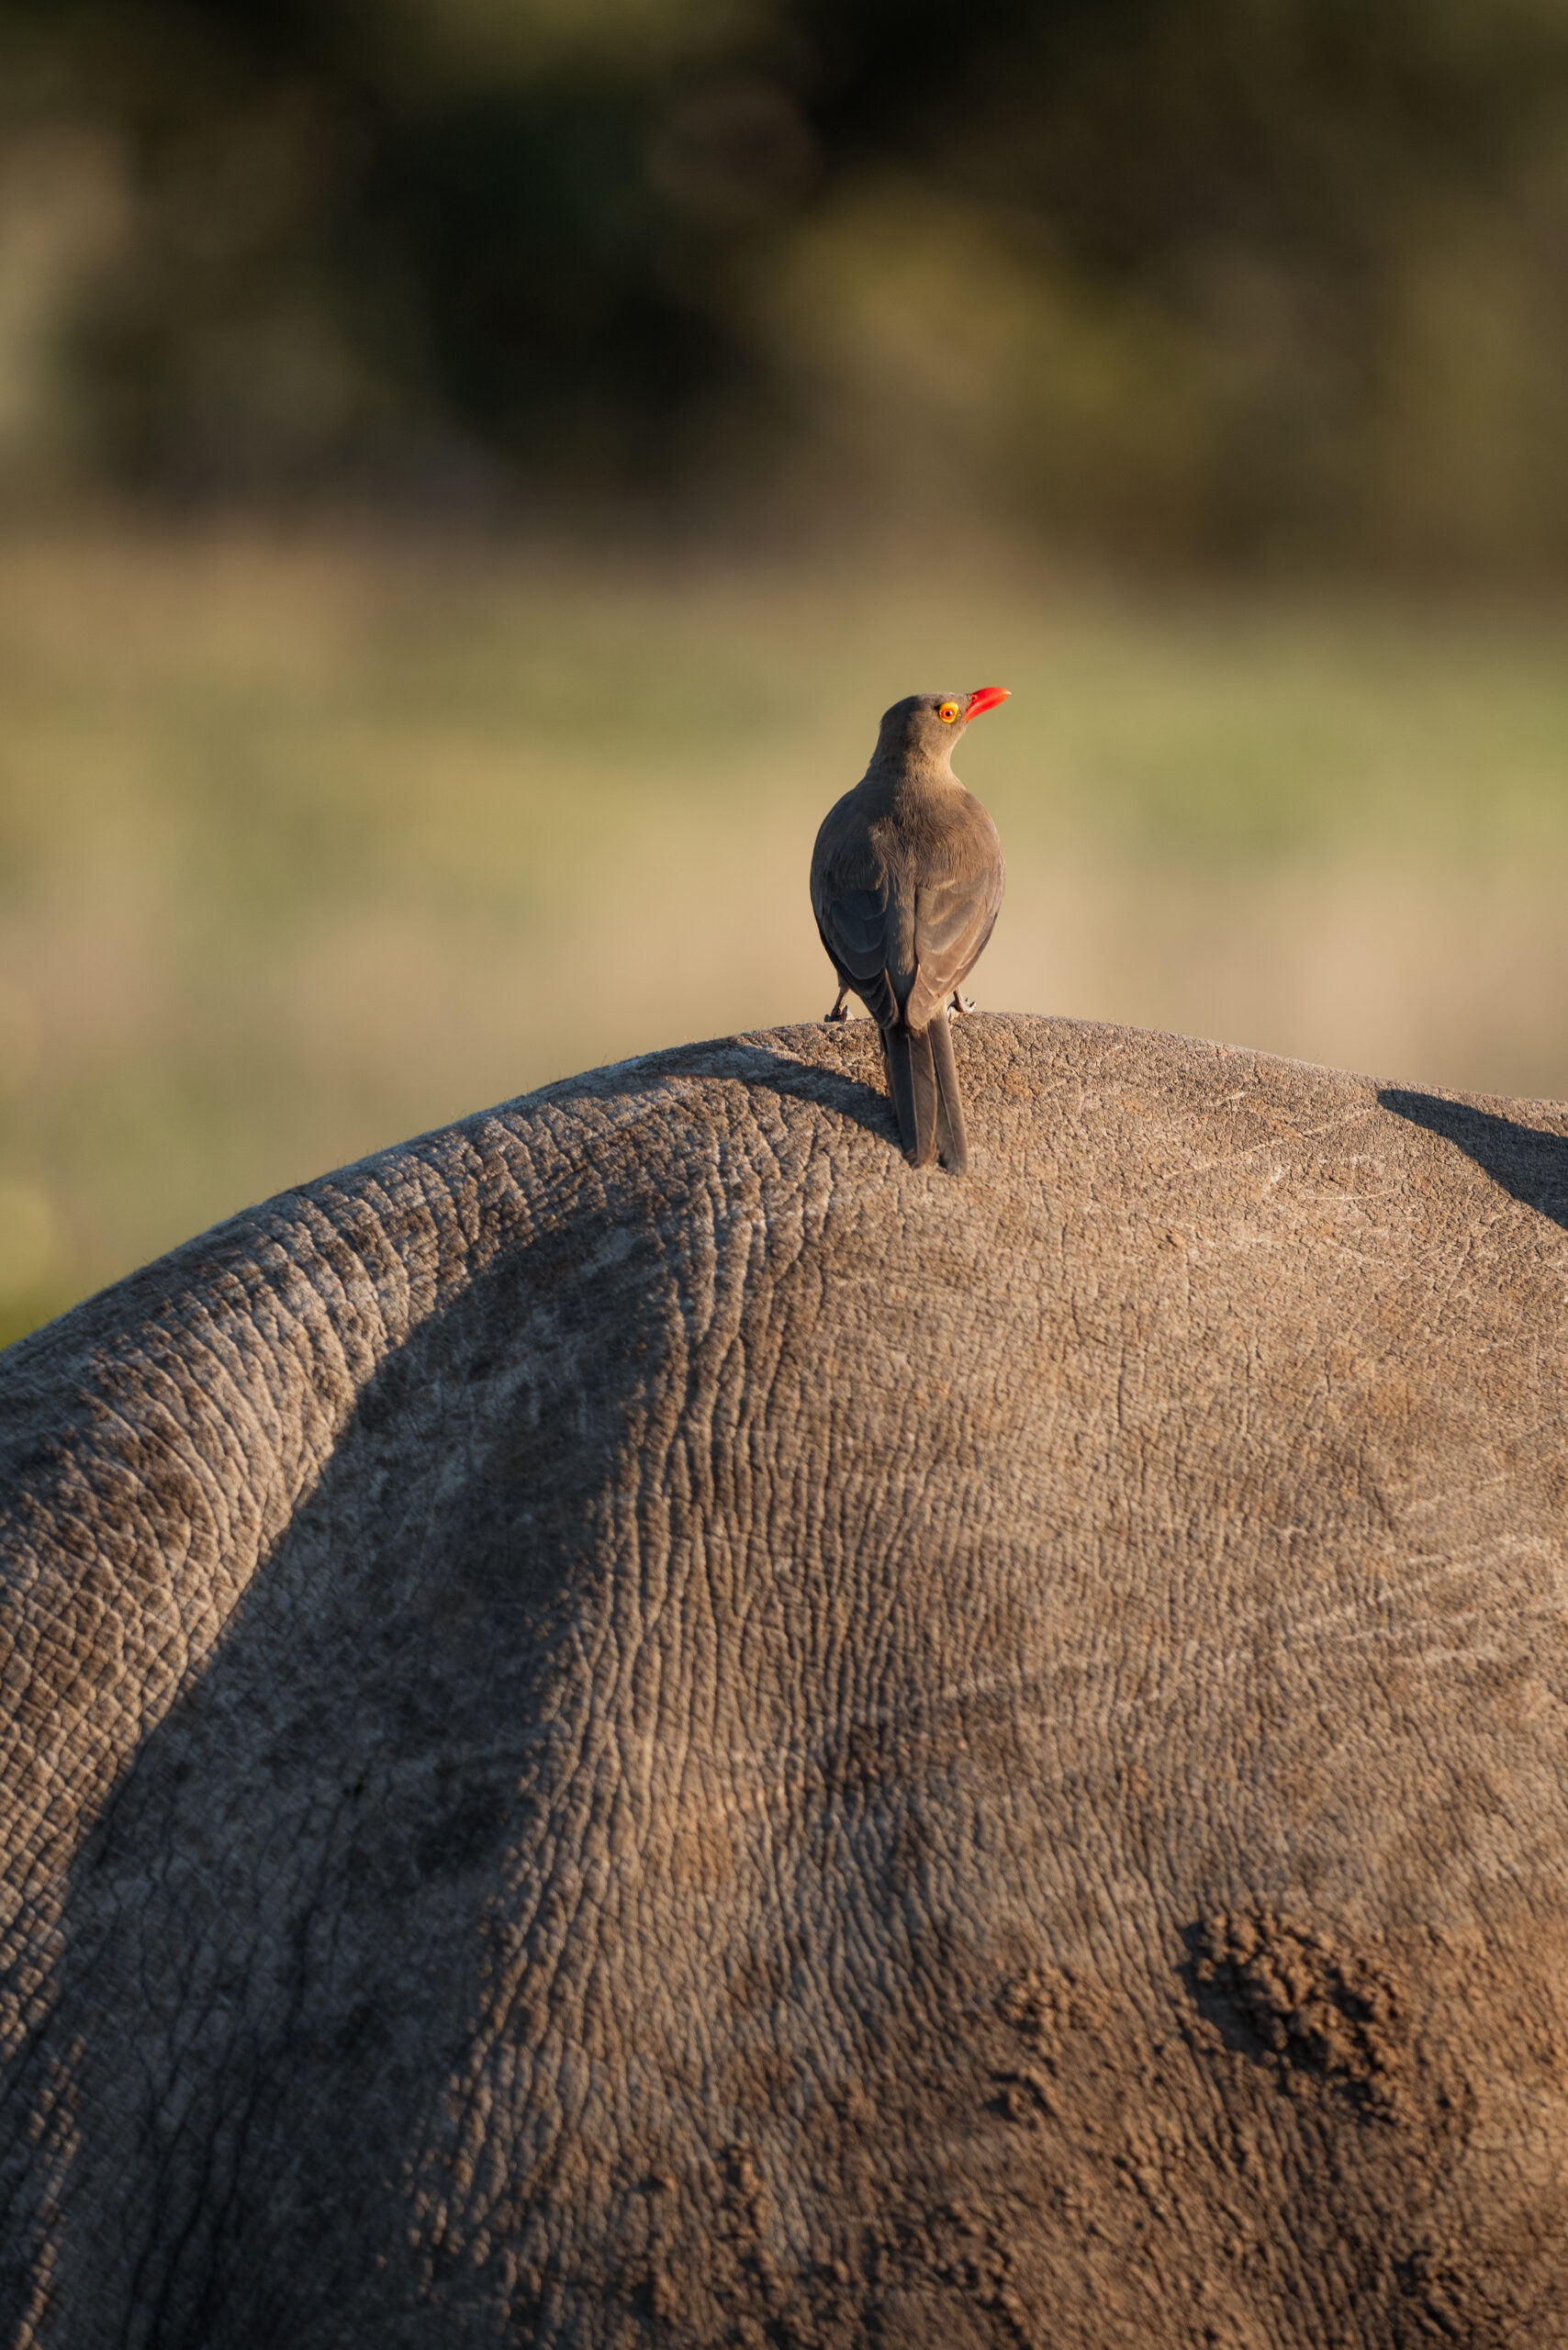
[1228, 278]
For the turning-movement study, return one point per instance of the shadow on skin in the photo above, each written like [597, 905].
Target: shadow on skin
[843, 1089]
[865, 1105]
[1529, 1162]
[312, 1837]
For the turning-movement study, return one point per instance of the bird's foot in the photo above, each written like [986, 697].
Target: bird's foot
[961, 1006]
[840, 1011]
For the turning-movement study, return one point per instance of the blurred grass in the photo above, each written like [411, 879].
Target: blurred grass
[309, 844]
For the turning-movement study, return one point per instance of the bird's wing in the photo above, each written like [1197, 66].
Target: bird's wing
[953, 919]
[854, 926]
[855, 930]
[852, 901]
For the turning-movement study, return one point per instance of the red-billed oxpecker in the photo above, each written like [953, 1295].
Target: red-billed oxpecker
[906, 880]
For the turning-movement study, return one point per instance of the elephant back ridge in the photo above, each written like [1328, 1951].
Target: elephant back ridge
[634, 1722]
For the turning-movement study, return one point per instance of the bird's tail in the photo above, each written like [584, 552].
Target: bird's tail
[911, 1078]
[951, 1140]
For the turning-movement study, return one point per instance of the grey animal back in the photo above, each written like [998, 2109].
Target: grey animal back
[636, 1721]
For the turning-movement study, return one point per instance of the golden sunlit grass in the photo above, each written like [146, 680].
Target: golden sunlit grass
[306, 845]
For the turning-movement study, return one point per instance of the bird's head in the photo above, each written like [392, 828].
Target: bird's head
[922, 728]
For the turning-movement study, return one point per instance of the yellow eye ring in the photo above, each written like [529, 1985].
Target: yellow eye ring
[947, 713]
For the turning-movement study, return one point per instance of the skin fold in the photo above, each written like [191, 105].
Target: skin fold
[633, 1723]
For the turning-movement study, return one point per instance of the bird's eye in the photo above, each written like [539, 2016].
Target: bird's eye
[947, 713]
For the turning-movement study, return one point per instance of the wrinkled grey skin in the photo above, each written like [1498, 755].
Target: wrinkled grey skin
[634, 1722]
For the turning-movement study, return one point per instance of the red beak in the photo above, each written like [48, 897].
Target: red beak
[983, 698]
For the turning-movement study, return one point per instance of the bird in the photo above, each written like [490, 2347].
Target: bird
[906, 884]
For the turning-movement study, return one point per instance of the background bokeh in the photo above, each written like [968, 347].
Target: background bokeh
[471, 472]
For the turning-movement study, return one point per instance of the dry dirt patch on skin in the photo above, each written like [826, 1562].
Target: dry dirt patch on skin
[1310, 2002]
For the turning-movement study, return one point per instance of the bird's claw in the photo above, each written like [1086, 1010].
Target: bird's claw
[840, 1011]
[961, 1006]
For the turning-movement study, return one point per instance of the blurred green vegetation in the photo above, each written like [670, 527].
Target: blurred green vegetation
[471, 472]
[309, 841]
[1247, 280]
